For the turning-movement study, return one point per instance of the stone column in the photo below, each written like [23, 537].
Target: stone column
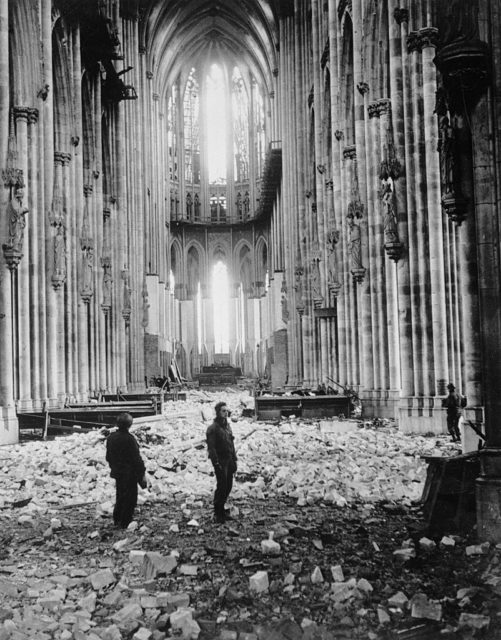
[427, 41]
[8, 419]
[400, 116]
[25, 403]
[33, 239]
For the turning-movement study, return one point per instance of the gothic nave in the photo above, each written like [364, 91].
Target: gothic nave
[335, 162]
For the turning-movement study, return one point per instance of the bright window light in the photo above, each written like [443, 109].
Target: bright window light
[221, 298]
[216, 125]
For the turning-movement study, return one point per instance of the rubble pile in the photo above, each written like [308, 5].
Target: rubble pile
[325, 540]
[309, 461]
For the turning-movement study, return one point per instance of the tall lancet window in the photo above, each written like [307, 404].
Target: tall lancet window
[259, 128]
[191, 112]
[216, 125]
[240, 107]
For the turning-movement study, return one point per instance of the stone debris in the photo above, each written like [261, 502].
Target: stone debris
[447, 541]
[473, 621]
[136, 590]
[258, 583]
[422, 607]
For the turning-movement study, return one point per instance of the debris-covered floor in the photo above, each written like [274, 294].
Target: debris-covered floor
[326, 539]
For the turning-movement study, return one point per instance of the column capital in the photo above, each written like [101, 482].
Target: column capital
[428, 37]
[155, 97]
[62, 158]
[401, 15]
[413, 41]
[350, 153]
[329, 184]
[32, 115]
[384, 106]
[363, 87]
[338, 134]
[21, 113]
[149, 75]
[106, 213]
[88, 189]
[374, 109]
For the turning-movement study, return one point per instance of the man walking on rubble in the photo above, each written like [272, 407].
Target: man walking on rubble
[221, 450]
[127, 467]
[453, 403]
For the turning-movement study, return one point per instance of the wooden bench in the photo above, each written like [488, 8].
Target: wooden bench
[277, 406]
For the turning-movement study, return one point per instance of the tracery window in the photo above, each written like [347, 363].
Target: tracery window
[191, 115]
[240, 107]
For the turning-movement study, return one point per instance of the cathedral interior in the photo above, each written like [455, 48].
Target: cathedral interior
[308, 190]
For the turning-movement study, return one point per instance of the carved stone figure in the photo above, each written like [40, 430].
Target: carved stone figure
[332, 240]
[315, 284]
[17, 220]
[389, 214]
[447, 153]
[355, 243]
[16, 213]
[197, 207]
[189, 205]
[59, 273]
[87, 290]
[107, 283]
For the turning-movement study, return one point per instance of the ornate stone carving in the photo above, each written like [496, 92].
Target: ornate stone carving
[374, 109]
[390, 165]
[354, 217]
[16, 213]
[87, 275]
[33, 115]
[127, 304]
[106, 284]
[338, 134]
[350, 153]
[454, 204]
[384, 106]
[401, 15]
[427, 37]
[283, 302]
[315, 284]
[392, 245]
[413, 41]
[146, 314]
[363, 87]
[44, 92]
[59, 264]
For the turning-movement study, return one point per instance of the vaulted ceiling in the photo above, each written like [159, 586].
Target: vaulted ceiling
[180, 34]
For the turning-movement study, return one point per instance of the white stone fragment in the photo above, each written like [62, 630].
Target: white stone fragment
[101, 579]
[427, 544]
[337, 573]
[316, 576]
[258, 582]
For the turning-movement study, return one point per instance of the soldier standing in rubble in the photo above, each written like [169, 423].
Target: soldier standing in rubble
[221, 450]
[453, 403]
[127, 467]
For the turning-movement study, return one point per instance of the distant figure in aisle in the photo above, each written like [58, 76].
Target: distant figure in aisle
[453, 403]
[221, 450]
[127, 467]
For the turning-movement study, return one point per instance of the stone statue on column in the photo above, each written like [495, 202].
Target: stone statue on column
[107, 283]
[87, 290]
[389, 214]
[59, 271]
[315, 284]
[127, 302]
[332, 281]
[16, 213]
[146, 314]
[283, 302]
